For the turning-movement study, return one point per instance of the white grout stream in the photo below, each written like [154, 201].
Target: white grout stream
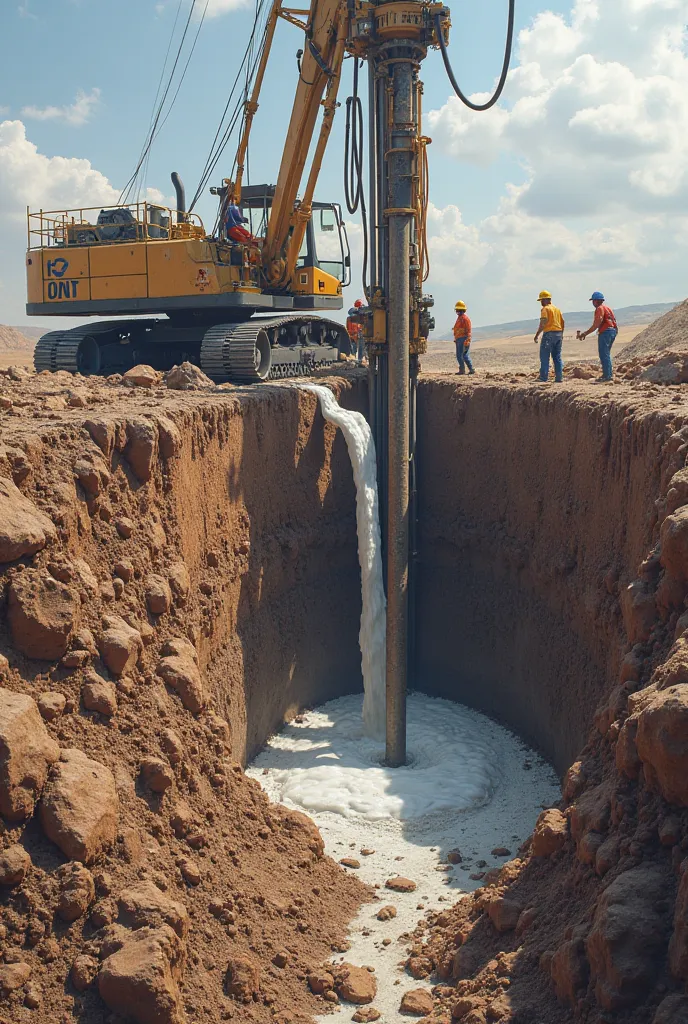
[469, 783]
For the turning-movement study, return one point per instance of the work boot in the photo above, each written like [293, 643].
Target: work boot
[471, 373]
[460, 373]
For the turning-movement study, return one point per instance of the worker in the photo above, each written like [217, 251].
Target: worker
[234, 226]
[552, 330]
[355, 331]
[604, 323]
[462, 338]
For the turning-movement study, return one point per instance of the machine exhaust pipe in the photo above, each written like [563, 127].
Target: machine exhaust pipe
[181, 195]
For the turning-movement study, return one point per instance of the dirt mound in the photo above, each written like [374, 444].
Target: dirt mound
[143, 876]
[668, 332]
[12, 340]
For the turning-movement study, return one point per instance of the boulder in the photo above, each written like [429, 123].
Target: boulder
[662, 743]
[187, 377]
[181, 673]
[26, 753]
[14, 976]
[354, 984]
[549, 835]
[51, 705]
[673, 538]
[400, 884]
[24, 530]
[99, 695]
[14, 865]
[242, 979]
[42, 614]
[504, 913]
[144, 905]
[83, 972]
[120, 645]
[417, 1002]
[320, 982]
[386, 913]
[140, 376]
[156, 774]
[628, 937]
[79, 809]
[77, 891]
[158, 594]
[140, 980]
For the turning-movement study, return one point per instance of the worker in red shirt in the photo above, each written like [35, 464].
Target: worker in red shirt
[462, 338]
[355, 331]
[607, 329]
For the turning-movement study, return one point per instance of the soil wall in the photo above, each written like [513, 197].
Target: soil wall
[534, 505]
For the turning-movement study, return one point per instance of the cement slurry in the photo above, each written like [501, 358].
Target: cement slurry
[361, 447]
[469, 783]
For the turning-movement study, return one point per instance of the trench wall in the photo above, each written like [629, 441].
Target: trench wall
[536, 508]
[266, 487]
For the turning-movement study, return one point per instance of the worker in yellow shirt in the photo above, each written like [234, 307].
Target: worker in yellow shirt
[462, 338]
[552, 330]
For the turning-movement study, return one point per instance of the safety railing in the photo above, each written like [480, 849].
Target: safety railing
[107, 225]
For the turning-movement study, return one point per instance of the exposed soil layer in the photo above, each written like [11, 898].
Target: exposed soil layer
[552, 594]
[179, 575]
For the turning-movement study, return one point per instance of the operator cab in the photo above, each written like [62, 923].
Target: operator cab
[325, 245]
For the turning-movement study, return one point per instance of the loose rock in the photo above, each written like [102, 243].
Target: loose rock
[145, 905]
[417, 1002]
[400, 884]
[242, 980]
[354, 984]
[140, 980]
[156, 774]
[550, 833]
[141, 376]
[15, 863]
[26, 753]
[77, 892]
[42, 614]
[99, 695]
[182, 674]
[158, 595]
[24, 530]
[84, 969]
[120, 645]
[79, 809]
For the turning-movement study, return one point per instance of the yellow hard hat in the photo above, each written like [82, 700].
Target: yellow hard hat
[460, 305]
[544, 295]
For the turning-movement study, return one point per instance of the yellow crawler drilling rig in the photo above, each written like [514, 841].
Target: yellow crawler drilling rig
[142, 258]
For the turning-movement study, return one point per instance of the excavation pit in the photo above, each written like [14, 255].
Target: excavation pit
[189, 563]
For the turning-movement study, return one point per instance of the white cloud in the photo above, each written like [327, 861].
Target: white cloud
[596, 112]
[76, 113]
[218, 7]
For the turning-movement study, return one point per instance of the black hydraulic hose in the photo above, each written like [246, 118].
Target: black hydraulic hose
[505, 67]
[354, 192]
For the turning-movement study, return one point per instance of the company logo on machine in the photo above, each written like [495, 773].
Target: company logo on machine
[57, 268]
[203, 279]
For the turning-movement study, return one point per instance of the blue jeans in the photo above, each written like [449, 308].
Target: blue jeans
[550, 345]
[462, 357]
[605, 340]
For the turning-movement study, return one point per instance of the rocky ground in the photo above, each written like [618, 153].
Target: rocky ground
[144, 878]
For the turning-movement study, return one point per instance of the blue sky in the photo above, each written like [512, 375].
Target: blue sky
[578, 181]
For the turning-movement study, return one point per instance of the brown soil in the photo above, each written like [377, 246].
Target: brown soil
[253, 494]
[551, 597]
[12, 340]
[552, 587]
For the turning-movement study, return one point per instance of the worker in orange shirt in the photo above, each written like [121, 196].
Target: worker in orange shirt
[607, 329]
[355, 331]
[462, 338]
[552, 330]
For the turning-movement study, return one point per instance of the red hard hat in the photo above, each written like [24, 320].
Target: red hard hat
[358, 303]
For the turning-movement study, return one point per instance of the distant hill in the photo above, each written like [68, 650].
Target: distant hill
[12, 339]
[628, 316]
